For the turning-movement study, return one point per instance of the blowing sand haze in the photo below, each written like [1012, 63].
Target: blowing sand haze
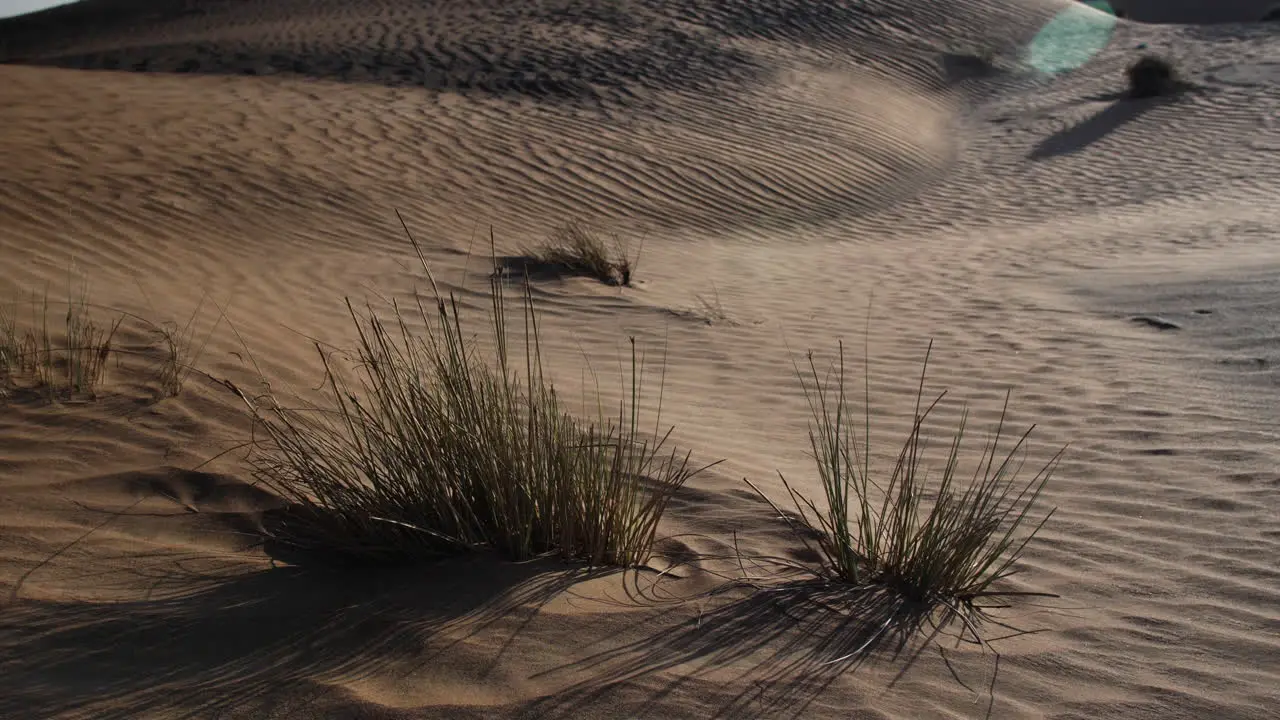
[191, 193]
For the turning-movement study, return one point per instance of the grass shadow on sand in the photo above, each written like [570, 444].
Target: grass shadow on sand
[216, 650]
[540, 270]
[1119, 113]
[535, 269]
[786, 644]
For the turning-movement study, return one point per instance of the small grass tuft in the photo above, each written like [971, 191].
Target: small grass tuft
[435, 451]
[33, 356]
[576, 247]
[180, 351]
[710, 309]
[937, 545]
[10, 344]
[1153, 76]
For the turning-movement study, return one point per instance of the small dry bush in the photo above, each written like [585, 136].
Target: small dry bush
[933, 540]
[1153, 76]
[578, 248]
[60, 360]
[435, 451]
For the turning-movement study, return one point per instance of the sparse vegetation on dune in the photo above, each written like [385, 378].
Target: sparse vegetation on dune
[432, 450]
[61, 355]
[61, 358]
[577, 248]
[11, 355]
[435, 451]
[934, 541]
[179, 346]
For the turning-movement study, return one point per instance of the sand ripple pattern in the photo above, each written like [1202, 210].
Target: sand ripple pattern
[725, 118]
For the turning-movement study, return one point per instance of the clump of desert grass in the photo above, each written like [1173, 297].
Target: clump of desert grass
[1153, 76]
[60, 355]
[434, 449]
[576, 247]
[936, 543]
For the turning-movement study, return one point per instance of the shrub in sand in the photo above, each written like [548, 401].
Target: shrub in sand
[1152, 76]
[577, 248]
[68, 364]
[935, 545]
[434, 451]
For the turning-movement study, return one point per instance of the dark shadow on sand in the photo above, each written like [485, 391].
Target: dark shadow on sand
[275, 632]
[959, 67]
[668, 59]
[791, 643]
[521, 267]
[1119, 113]
[671, 46]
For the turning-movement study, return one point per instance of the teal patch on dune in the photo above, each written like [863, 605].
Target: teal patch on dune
[1072, 37]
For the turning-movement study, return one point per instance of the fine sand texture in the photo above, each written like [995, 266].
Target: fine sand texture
[792, 174]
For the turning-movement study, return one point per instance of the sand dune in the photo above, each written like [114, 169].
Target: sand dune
[799, 172]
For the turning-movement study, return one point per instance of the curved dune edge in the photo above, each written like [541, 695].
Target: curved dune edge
[885, 174]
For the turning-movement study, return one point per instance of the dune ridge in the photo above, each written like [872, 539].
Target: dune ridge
[884, 172]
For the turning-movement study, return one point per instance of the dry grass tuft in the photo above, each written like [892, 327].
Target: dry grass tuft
[577, 248]
[68, 362]
[181, 351]
[434, 451]
[10, 344]
[937, 543]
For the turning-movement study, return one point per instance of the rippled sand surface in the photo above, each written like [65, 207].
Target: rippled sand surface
[885, 173]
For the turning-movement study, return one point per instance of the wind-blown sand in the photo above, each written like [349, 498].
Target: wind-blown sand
[800, 172]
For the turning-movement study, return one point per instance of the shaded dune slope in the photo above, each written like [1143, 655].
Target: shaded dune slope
[540, 71]
[649, 42]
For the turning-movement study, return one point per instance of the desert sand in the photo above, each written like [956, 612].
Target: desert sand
[799, 173]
